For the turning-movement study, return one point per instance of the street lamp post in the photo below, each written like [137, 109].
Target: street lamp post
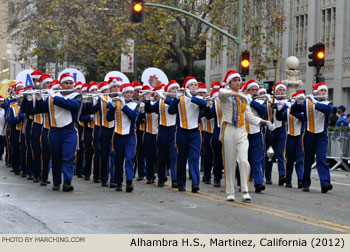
[292, 82]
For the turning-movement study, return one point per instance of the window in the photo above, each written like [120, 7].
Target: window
[301, 21]
[328, 15]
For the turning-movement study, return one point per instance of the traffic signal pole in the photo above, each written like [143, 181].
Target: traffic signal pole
[237, 40]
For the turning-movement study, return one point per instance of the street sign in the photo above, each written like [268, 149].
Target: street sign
[265, 85]
[127, 59]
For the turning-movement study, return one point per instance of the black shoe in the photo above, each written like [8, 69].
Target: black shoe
[289, 184]
[139, 179]
[306, 189]
[207, 182]
[259, 188]
[104, 184]
[30, 177]
[326, 188]
[165, 179]
[112, 185]
[43, 183]
[48, 182]
[96, 180]
[17, 173]
[119, 188]
[80, 176]
[173, 184]
[8, 165]
[67, 187]
[190, 177]
[300, 184]
[160, 183]
[268, 182]
[150, 181]
[36, 180]
[87, 178]
[12, 171]
[23, 174]
[217, 183]
[281, 181]
[195, 189]
[56, 187]
[182, 189]
[129, 187]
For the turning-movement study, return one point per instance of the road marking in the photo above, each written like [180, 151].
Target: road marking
[272, 211]
[340, 184]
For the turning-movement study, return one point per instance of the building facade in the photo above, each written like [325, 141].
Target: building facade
[307, 22]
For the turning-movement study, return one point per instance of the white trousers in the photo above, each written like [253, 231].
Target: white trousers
[235, 150]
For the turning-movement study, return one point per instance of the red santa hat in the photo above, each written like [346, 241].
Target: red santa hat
[45, 78]
[146, 88]
[66, 77]
[11, 89]
[92, 86]
[230, 75]
[262, 89]
[2, 98]
[19, 92]
[28, 87]
[279, 85]
[158, 88]
[171, 85]
[36, 74]
[243, 87]
[252, 83]
[214, 93]
[320, 86]
[215, 85]
[78, 85]
[298, 94]
[189, 80]
[202, 88]
[19, 85]
[136, 85]
[55, 84]
[103, 86]
[85, 87]
[114, 81]
[126, 87]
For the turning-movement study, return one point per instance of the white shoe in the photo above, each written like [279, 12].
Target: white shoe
[246, 197]
[230, 197]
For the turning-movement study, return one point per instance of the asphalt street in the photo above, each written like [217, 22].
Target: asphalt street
[27, 207]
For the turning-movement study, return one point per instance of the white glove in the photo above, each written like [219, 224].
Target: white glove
[148, 96]
[114, 101]
[51, 93]
[160, 93]
[279, 106]
[29, 97]
[92, 117]
[122, 100]
[179, 94]
[38, 96]
[312, 98]
[270, 125]
[142, 107]
[249, 97]
[188, 93]
[300, 100]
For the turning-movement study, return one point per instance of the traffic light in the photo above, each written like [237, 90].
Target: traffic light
[245, 63]
[317, 56]
[137, 11]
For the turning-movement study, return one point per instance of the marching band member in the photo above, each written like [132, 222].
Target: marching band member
[208, 129]
[140, 131]
[45, 145]
[215, 111]
[79, 158]
[294, 148]
[188, 139]
[15, 119]
[63, 110]
[277, 138]
[124, 112]
[114, 84]
[316, 111]
[106, 129]
[255, 138]
[2, 128]
[236, 111]
[89, 123]
[167, 154]
[150, 136]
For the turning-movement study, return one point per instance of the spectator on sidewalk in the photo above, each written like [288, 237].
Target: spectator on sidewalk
[343, 119]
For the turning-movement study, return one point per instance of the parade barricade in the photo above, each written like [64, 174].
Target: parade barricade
[339, 148]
